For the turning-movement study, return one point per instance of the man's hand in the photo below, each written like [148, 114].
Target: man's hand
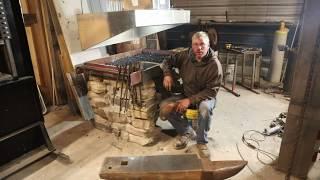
[167, 82]
[183, 104]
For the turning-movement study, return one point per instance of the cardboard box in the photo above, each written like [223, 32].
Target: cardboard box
[137, 4]
[146, 4]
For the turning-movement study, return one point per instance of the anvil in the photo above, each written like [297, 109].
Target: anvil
[177, 167]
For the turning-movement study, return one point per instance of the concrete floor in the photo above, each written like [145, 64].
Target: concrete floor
[84, 148]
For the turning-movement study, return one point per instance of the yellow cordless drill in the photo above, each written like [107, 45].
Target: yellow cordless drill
[192, 116]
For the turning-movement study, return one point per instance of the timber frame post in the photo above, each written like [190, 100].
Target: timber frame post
[303, 120]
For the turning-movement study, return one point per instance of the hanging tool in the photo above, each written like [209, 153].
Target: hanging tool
[136, 83]
[131, 89]
[140, 68]
[134, 90]
[116, 88]
[127, 98]
[121, 89]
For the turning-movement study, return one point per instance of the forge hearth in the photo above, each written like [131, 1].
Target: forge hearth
[123, 104]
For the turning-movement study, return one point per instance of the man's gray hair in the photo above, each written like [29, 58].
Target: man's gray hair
[202, 35]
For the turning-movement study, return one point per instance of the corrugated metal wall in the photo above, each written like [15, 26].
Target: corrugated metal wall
[242, 10]
[255, 35]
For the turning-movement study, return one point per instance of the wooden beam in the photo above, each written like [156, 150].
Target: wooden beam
[66, 63]
[37, 43]
[41, 50]
[58, 87]
[65, 60]
[34, 58]
[302, 124]
[49, 45]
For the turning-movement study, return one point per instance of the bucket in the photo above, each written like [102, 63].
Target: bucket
[229, 73]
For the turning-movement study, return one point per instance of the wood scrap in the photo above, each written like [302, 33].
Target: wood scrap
[65, 60]
[79, 89]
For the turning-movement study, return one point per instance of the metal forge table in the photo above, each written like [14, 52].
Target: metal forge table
[107, 67]
[255, 53]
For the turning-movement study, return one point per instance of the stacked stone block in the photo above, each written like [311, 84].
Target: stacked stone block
[135, 123]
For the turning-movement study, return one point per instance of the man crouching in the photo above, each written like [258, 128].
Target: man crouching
[201, 73]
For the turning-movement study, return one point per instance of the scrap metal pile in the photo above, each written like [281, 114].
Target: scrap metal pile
[277, 125]
[148, 57]
[109, 66]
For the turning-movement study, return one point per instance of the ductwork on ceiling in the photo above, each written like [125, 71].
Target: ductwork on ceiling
[106, 28]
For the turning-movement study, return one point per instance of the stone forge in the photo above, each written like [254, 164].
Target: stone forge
[123, 105]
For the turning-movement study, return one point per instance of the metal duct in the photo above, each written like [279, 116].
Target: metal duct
[101, 29]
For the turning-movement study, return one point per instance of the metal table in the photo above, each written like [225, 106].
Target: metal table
[245, 52]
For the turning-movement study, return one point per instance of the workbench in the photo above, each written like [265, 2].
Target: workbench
[248, 56]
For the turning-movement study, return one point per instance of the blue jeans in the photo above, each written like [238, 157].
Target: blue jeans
[181, 124]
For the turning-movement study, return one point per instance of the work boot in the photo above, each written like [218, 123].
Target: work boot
[203, 151]
[182, 141]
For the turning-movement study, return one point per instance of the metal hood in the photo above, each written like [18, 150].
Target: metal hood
[101, 29]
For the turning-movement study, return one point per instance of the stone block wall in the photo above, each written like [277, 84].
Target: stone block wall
[134, 124]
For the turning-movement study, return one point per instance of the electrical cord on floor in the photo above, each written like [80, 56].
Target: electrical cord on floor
[254, 144]
[259, 176]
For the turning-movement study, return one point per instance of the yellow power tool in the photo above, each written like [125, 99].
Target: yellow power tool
[192, 116]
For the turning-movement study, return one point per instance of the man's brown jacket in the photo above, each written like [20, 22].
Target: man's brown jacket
[201, 80]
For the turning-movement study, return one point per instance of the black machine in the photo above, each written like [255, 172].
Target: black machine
[23, 137]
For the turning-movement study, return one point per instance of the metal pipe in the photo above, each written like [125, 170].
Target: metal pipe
[12, 64]
[210, 22]
[116, 88]
[121, 89]
[139, 86]
[234, 79]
